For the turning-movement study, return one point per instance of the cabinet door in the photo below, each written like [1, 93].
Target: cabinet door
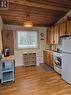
[69, 27]
[8, 40]
[51, 59]
[45, 57]
[56, 34]
[62, 29]
[48, 58]
[48, 36]
[51, 35]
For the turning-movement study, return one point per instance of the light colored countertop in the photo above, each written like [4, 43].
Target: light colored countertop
[12, 57]
[48, 50]
[53, 51]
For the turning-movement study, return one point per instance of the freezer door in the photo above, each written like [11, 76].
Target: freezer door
[66, 45]
[66, 67]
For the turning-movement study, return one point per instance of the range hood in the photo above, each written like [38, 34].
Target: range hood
[65, 36]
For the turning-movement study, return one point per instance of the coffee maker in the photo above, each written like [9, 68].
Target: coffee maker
[6, 52]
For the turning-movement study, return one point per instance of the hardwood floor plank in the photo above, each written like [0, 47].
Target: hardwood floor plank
[35, 81]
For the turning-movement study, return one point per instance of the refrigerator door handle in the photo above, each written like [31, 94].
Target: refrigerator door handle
[66, 52]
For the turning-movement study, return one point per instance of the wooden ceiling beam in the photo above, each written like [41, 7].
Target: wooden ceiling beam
[28, 9]
[61, 3]
[23, 15]
[15, 22]
[21, 7]
[7, 17]
[65, 2]
[41, 5]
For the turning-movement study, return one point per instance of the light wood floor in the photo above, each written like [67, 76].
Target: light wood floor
[35, 81]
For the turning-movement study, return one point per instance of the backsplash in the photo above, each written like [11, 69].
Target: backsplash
[53, 47]
[49, 47]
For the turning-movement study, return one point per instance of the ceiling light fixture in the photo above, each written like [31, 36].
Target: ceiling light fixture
[28, 22]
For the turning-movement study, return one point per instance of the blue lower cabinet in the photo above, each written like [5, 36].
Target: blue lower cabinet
[6, 71]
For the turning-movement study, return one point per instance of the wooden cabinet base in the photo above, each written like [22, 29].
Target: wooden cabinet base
[48, 58]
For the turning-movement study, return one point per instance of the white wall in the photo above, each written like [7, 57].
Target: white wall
[1, 25]
[39, 52]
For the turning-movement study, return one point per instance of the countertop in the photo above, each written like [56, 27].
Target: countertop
[12, 57]
[53, 51]
[48, 50]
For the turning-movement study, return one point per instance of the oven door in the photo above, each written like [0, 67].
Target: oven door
[57, 63]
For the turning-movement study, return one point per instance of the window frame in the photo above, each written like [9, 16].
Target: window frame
[27, 47]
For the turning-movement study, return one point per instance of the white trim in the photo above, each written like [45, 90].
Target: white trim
[36, 47]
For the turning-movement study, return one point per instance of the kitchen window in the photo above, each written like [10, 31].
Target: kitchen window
[27, 39]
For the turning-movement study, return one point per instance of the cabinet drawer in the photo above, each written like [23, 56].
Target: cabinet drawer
[29, 59]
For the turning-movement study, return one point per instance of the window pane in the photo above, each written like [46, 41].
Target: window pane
[27, 39]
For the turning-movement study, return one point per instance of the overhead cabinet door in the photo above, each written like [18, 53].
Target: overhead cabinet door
[51, 35]
[69, 27]
[62, 29]
[56, 34]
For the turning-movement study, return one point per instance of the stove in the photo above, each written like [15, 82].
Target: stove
[57, 61]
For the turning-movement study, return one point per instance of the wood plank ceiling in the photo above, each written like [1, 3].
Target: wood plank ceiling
[42, 12]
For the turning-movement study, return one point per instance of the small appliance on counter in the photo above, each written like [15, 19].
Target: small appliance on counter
[6, 52]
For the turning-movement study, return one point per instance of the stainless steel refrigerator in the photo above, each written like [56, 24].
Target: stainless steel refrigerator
[66, 60]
